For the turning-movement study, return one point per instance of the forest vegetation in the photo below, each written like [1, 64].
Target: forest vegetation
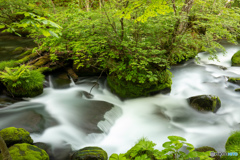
[134, 42]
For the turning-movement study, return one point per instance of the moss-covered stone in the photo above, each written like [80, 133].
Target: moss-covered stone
[18, 50]
[207, 148]
[235, 80]
[129, 89]
[205, 103]
[237, 90]
[90, 153]
[14, 135]
[26, 151]
[236, 59]
[233, 143]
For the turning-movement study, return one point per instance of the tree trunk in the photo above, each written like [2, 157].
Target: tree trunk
[4, 150]
[87, 5]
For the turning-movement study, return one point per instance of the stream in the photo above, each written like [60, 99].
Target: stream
[70, 116]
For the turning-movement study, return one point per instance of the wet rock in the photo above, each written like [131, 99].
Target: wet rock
[237, 90]
[62, 152]
[30, 116]
[26, 151]
[236, 59]
[205, 103]
[14, 135]
[92, 112]
[6, 101]
[60, 79]
[90, 153]
[235, 80]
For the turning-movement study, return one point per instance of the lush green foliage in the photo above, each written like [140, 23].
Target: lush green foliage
[133, 41]
[144, 150]
[22, 81]
[11, 63]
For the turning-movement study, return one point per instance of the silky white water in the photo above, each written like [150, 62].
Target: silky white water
[154, 117]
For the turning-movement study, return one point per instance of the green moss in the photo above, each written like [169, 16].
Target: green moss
[205, 149]
[14, 135]
[26, 151]
[18, 50]
[235, 80]
[23, 82]
[44, 69]
[236, 59]
[28, 52]
[237, 90]
[233, 143]
[90, 153]
[205, 103]
[11, 63]
[128, 89]
[28, 57]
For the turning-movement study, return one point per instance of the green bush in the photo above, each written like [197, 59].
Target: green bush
[22, 81]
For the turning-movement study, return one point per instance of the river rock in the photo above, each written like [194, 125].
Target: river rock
[6, 101]
[236, 59]
[205, 103]
[235, 80]
[60, 79]
[30, 116]
[90, 153]
[26, 151]
[62, 152]
[14, 135]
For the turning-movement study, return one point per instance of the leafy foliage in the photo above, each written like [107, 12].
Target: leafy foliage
[22, 81]
[144, 150]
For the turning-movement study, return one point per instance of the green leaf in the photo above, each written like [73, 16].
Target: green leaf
[2, 26]
[168, 145]
[45, 33]
[176, 138]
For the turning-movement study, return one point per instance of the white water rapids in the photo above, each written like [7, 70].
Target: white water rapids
[155, 117]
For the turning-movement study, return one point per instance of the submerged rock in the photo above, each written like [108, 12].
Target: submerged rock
[30, 116]
[26, 151]
[14, 135]
[236, 59]
[205, 103]
[90, 153]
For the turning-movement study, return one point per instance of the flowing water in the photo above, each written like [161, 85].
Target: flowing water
[83, 120]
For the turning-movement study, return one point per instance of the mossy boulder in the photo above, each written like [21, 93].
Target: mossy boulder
[236, 59]
[14, 135]
[90, 153]
[207, 148]
[205, 103]
[233, 143]
[26, 151]
[235, 80]
[129, 89]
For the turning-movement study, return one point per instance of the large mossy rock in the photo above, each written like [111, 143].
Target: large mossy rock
[233, 143]
[236, 59]
[26, 151]
[90, 153]
[14, 135]
[128, 89]
[205, 103]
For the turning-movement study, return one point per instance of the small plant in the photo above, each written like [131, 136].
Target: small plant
[22, 81]
[144, 150]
